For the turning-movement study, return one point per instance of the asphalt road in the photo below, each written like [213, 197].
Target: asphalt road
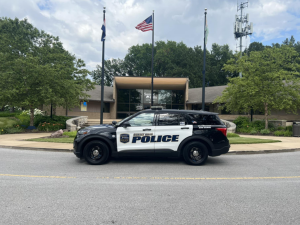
[39, 187]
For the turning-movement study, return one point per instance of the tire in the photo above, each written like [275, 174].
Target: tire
[96, 153]
[195, 153]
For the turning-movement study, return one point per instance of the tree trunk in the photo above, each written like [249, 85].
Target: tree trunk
[54, 110]
[12, 109]
[266, 115]
[31, 116]
[2, 108]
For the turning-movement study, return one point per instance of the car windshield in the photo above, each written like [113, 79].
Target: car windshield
[118, 123]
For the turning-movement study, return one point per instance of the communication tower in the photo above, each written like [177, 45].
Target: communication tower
[241, 26]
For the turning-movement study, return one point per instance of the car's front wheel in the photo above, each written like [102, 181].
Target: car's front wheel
[195, 153]
[96, 153]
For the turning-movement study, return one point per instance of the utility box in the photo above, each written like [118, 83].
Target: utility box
[296, 129]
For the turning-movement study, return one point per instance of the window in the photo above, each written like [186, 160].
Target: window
[168, 119]
[144, 119]
[199, 119]
[106, 107]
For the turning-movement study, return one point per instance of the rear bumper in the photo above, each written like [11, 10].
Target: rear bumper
[220, 151]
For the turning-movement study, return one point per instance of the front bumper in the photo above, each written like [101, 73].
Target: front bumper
[220, 151]
[76, 151]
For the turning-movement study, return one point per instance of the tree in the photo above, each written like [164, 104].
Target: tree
[112, 68]
[254, 46]
[268, 82]
[35, 69]
[218, 56]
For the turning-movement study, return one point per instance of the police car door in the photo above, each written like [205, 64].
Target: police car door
[138, 135]
[170, 131]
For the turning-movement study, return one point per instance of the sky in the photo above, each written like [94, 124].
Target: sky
[78, 22]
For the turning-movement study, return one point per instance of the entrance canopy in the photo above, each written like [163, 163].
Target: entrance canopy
[159, 83]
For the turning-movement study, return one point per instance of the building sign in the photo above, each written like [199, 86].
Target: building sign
[84, 106]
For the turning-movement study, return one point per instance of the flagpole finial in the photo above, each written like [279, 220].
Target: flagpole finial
[205, 9]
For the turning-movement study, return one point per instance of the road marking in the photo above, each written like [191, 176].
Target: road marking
[14, 175]
[159, 178]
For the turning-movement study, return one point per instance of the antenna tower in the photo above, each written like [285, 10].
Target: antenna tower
[241, 27]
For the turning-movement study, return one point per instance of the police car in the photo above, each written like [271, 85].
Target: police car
[193, 135]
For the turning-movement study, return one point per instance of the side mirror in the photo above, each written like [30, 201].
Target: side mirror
[114, 122]
[126, 124]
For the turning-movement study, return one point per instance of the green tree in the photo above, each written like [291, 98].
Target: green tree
[254, 46]
[268, 82]
[35, 69]
[112, 68]
[218, 56]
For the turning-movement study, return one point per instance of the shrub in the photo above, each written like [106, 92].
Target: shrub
[36, 112]
[280, 128]
[258, 124]
[11, 130]
[50, 126]
[232, 135]
[55, 119]
[289, 128]
[244, 130]
[24, 120]
[279, 133]
[265, 131]
[288, 133]
[241, 122]
[253, 131]
[8, 114]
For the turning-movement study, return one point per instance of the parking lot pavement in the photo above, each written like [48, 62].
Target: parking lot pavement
[57, 188]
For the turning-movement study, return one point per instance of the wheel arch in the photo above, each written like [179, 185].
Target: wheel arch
[85, 141]
[201, 139]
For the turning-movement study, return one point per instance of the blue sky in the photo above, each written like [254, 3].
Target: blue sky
[78, 22]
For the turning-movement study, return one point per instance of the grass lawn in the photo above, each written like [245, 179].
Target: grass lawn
[244, 140]
[232, 140]
[56, 140]
[6, 122]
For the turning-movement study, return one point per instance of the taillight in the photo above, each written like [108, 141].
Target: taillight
[223, 130]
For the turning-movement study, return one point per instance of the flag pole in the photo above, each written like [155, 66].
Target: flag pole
[204, 56]
[152, 58]
[102, 75]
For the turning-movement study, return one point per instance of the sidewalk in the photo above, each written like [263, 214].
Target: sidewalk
[18, 141]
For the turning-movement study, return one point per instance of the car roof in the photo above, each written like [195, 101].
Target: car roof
[180, 111]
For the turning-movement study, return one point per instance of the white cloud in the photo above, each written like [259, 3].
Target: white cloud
[78, 22]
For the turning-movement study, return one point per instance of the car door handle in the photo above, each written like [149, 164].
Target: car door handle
[146, 129]
[184, 128]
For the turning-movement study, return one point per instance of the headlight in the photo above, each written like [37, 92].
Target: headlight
[81, 132]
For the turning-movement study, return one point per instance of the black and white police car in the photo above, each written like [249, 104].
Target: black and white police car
[193, 135]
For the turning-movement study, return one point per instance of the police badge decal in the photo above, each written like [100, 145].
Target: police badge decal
[124, 138]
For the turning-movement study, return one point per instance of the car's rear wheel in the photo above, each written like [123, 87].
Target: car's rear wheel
[96, 153]
[195, 153]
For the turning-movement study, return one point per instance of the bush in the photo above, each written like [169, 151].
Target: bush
[288, 133]
[8, 114]
[279, 133]
[11, 130]
[36, 112]
[232, 135]
[50, 126]
[244, 130]
[241, 122]
[289, 128]
[258, 125]
[265, 131]
[253, 131]
[24, 120]
[55, 120]
[280, 128]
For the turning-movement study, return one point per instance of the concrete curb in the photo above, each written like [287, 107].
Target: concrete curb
[263, 151]
[37, 149]
[230, 152]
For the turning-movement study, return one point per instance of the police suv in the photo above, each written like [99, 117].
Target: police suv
[193, 135]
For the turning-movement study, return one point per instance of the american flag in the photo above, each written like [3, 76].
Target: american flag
[146, 25]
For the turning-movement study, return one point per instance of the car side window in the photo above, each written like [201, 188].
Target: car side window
[143, 119]
[200, 119]
[168, 119]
